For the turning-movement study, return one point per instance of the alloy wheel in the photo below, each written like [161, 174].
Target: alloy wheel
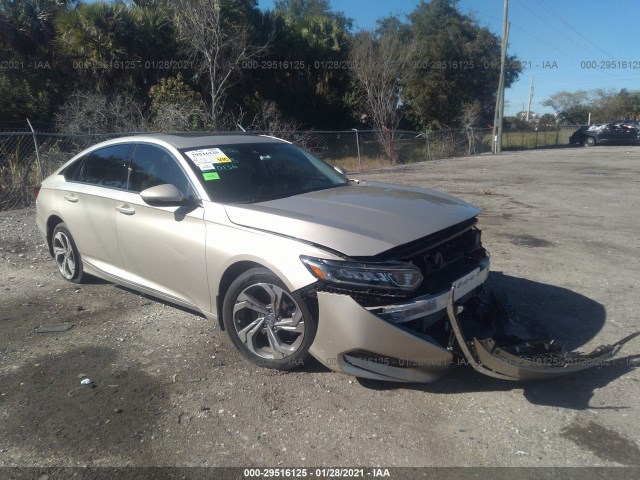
[268, 321]
[64, 255]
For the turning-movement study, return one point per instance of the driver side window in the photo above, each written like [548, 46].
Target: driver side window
[153, 166]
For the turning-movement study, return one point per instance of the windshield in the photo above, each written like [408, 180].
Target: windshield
[255, 172]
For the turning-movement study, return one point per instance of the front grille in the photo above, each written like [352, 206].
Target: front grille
[442, 258]
[444, 263]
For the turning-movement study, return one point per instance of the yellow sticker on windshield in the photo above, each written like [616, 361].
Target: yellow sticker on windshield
[205, 158]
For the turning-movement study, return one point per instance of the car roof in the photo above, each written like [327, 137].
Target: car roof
[190, 140]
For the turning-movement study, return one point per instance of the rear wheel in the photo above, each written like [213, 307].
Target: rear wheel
[589, 142]
[268, 324]
[66, 254]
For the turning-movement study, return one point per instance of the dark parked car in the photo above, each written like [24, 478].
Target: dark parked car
[616, 133]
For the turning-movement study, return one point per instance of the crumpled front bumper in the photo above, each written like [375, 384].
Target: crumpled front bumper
[510, 352]
[356, 341]
[352, 340]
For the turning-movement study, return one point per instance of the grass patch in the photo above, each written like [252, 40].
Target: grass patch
[351, 164]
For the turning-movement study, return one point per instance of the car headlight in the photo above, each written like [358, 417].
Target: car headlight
[381, 276]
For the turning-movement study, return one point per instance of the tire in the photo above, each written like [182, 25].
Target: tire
[280, 341]
[589, 142]
[66, 255]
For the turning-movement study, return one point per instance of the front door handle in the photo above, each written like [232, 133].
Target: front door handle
[71, 198]
[126, 209]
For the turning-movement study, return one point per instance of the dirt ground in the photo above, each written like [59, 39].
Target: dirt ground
[562, 227]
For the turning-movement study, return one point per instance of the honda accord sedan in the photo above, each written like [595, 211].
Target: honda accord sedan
[292, 258]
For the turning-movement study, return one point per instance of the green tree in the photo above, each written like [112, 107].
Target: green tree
[572, 108]
[457, 62]
[616, 105]
[35, 81]
[602, 105]
[176, 107]
[117, 44]
[308, 46]
[548, 119]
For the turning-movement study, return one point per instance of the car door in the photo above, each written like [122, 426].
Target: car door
[614, 133]
[629, 133]
[92, 184]
[162, 247]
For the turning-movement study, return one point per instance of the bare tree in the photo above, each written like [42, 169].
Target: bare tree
[96, 112]
[379, 59]
[270, 120]
[469, 118]
[217, 36]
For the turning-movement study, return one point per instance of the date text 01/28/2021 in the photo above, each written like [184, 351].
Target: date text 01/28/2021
[325, 472]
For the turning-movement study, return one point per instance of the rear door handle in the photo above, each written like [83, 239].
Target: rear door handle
[71, 198]
[126, 209]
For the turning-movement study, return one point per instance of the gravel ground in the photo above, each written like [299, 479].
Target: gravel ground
[169, 389]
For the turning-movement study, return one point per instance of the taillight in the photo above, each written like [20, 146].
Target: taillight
[36, 190]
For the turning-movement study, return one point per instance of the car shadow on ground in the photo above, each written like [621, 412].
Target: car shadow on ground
[556, 312]
[573, 392]
[561, 313]
[541, 147]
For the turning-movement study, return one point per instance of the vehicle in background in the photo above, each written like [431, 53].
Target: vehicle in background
[616, 133]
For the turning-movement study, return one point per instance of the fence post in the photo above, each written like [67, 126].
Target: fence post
[452, 134]
[358, 147]
[473, 141]
[426, 136]
[35, 143]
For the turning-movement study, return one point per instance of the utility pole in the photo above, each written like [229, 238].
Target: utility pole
[499, 112]
[530, 97]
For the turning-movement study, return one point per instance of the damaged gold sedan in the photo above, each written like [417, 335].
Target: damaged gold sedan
[292, 258]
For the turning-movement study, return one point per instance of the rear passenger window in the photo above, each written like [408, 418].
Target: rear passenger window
[106, 167]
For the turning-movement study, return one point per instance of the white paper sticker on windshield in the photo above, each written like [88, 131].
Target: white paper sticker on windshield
[206, 158]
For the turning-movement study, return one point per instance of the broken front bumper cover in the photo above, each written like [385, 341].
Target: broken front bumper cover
[353, 340]
[518, 356]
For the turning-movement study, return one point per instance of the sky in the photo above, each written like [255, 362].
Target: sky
[566, 45]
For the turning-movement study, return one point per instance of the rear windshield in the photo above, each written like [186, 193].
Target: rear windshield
[255, 172]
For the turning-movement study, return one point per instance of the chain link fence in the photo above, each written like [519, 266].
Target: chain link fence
[27, 157]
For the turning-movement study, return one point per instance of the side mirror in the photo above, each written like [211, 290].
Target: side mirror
[340, 170]
[165, 194]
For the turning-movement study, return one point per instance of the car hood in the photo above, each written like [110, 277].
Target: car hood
[362, 219]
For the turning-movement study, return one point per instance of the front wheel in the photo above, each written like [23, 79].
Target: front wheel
[268, 324]
[589, 142]
[66, 254]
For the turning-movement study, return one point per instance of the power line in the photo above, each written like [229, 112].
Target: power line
[577, 32]
[554, 47]
[558, 30]
[545, 43]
